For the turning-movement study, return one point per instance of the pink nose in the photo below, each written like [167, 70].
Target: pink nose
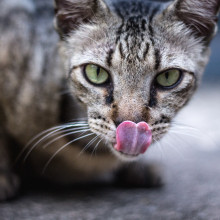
[132, 138]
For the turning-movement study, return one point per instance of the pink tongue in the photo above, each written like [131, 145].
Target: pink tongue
[132, 138]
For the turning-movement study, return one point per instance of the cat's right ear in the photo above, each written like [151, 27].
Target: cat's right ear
[200, 16]
[71, 13]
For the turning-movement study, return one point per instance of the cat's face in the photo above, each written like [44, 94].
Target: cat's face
[141, 64]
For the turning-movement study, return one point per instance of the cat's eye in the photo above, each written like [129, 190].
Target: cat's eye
[169, 78]
[96, 74]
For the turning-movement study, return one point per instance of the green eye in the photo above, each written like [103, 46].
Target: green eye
[96, 74]
[169, 78]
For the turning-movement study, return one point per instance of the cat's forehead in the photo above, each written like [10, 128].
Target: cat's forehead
[131, 42]
[134, 34]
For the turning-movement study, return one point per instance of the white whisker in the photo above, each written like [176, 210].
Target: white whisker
[78, 123]
[198, 137]
[183, 126]
[177, 150]
[96, 146]
[185, 133]
[88, 145]
[61, 148]
[50, 142]
[58, 131]
[50, 135]
[159, 145]
[70, 133]
[56, 128]
[51, 130]
[82, 120]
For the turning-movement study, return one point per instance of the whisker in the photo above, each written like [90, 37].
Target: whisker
[88, 145]
[82, 120]
[96, 146]
[70, 133]
[177, 150]
[198, 138]
[53, 129]
[61, 148]
[178, 128]
[183, 126]
[159, 147]
[58, 131]
[62, 131]
[67, 125]
[186, 134]
[50, 142]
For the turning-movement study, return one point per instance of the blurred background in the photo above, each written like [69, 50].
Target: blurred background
[212, 74]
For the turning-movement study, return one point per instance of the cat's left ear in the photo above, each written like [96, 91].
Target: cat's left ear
[200, 16]
[71, 13]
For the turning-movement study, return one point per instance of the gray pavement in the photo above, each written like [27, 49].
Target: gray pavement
[192, 191]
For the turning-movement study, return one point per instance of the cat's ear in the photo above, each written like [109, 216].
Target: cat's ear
[199, 15]
[71, 13]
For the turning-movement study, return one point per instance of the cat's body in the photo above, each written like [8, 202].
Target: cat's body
[133, 41]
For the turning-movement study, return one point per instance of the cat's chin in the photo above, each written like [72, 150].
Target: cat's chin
[123, 156]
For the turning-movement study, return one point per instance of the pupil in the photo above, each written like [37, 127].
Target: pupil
[98, 71]
[167, 75]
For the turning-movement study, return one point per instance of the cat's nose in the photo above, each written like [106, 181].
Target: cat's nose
[120, 121]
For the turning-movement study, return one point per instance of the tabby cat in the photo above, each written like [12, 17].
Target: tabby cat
[127, 68]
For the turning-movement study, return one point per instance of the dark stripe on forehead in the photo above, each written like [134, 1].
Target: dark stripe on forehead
[143, 25]
[153, 97]
[146, 51]
[150, 28]
[157, 59]
[151, 31]
[121, 50]
[109, 57]
[119, 32]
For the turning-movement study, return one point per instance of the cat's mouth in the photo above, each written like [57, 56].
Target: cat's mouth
[133, 139]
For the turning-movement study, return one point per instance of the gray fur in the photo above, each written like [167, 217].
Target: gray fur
[132, 40]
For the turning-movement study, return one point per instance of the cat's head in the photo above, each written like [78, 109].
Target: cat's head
[135, 62]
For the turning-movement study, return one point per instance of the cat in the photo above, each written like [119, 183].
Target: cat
[90, 100]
